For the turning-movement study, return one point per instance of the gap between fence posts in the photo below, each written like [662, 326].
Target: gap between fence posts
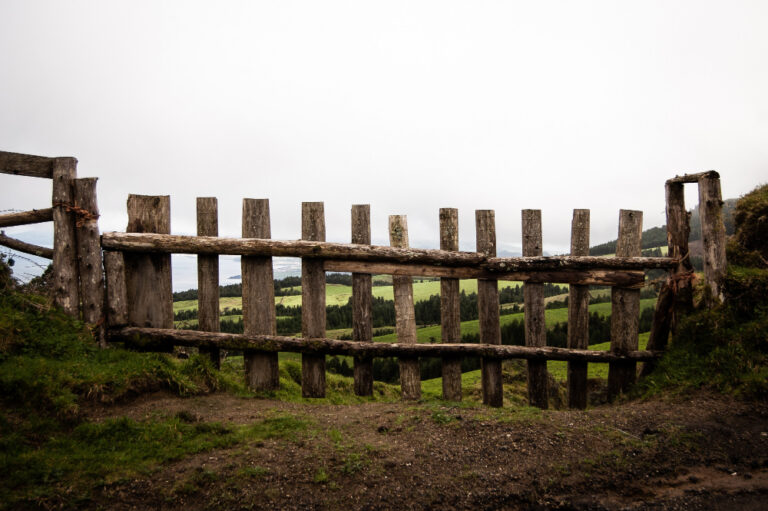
[312, 300]
[208, 276]
[89, 255]
[625, 308]
[450, 314]
[362, 302]
[535, 326]
[405, 317]
[261, 368]
[148, 276]
[488, 311]
[578, 314]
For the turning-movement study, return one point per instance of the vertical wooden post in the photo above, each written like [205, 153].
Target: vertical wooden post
[148, 276]
[578, 314]
[116, 303]
[262, 371]
[625, 307]
[712, 232]
[65, 277]
[535, 326]
[312, 300]
[208, 275]
[488, 310]
[362, 302]
[450, 314]
[405, 317]
[89, 255]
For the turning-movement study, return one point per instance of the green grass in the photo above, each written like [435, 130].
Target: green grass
[559, 369]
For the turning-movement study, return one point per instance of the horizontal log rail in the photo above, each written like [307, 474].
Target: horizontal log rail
[34, 216]
[175, 244]
[693, 178]
[26, 165]
[27, 248]
[141, 337]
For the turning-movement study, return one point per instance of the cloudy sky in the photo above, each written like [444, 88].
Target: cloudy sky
[408, 106]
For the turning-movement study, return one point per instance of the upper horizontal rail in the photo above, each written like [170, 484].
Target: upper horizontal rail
[34, 216]
[169, 243]
[693, 178]
[26, 165]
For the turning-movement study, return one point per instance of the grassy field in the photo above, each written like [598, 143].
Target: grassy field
[337, 294]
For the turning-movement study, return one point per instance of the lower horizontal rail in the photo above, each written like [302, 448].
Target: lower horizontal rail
[27, 248]
[146, 337]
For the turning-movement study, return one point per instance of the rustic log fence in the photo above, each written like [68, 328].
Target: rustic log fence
[137, 301]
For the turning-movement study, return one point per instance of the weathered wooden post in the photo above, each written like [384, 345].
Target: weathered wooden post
[712, 231]
[578, 314]
[535, 326]
[116, 294]
[149, 293]
[262, 371]
[89, 255]
[66, 286]
[450, 314]
[488, 310]
[208, 275]
[405, 317]
[362, 302]
[625, 307]
[312, 300]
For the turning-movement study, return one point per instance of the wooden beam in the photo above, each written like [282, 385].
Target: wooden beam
[175, 244]
[89, 254]
[312, 300]
[693, 178]
[26, 165]
[450, 314]
[405, 316]
[35, 216]
[208, 275]
[27, 248]
[117, 296]
[66, 285]
[488, 310]
[145, 337]
[535, 326]
[578, 314]
[362, 302]
[712, 233]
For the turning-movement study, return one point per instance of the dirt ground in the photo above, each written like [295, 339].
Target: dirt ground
[700, 451]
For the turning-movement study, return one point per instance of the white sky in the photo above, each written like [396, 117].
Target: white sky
[409, 106]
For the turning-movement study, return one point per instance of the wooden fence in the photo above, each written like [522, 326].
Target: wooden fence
[139, 312]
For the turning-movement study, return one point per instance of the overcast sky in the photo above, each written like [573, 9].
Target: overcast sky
[408, 106]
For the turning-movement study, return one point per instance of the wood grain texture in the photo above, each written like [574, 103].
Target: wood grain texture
[362, 302]
[713, 234]
[34, 216]
[261, 368]
[27, 248]
[145, 336]
[117, 299]
[208, 274]
[28, 165]
[578, 314]
[693, 178]
[312, 300]
[405, 317]
[488, 310]
[535, 326]
[625, 307]
[678, 231]
[89, 256]
[66, 285]
[148, 276]
[450, 314]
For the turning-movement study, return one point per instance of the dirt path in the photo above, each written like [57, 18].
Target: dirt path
[692, 452]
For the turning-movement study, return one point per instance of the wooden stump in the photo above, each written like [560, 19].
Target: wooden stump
[208, 276]
[362, 302]
[625, 308]
[148, 276]
[578, 314]
[450, 314]
[535, 326]
[312, 300]
[66, 285]
[261, 368]
[488, 311]
[405, 317]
